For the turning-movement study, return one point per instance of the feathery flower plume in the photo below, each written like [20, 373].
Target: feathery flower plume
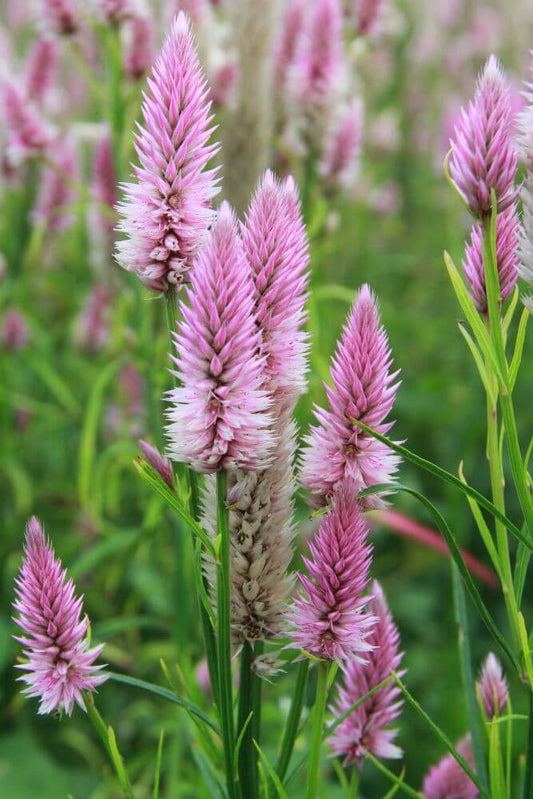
[317, 67]
[27, 132]
[363, 388]
[329, 617]
[60, 664]
[217, 415]
[139, 45]
[222, 83]
[158, 462]
[507, 242]
[483, 155]
[58, 16]
[41, 68]
[492, 687]
[276, 247]
[447, 779]
[167, 209]
[365, 729]
[342, 148]
[56, 193]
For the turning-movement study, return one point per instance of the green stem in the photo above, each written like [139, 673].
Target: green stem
[313, 776]
[247, 752]
[293, 719]
[354, 782]
[225, 687]
[465, 653]
[108, 739]
[527, 788]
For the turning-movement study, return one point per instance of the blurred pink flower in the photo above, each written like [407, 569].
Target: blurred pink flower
[139, 45]
[41, 68]
[367, 14]
[56, 192]
[92, 325]
[59, 663]
[329, 617]
[217, 415]
[363, 388]
[365, 729]
[288, 37]
[447, 780]
[14, 332]
[340, 160]
[166, 211]
[28, 133]
[58, 16]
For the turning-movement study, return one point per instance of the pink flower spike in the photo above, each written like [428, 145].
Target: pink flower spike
[158, 462]
[276, 246]
[167, 209]
[328, 618]
[41, 68]
[507, 243]
[367, 16]
[59, 663]
[365, 729]
[287, 41]
[27, 132]
[217, 415]
[447, 780]
[14, 332]
[492, 687]
[483, 155]
[363, 388]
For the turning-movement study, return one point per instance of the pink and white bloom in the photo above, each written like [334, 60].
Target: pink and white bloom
[507, 259]
[218, 415]
[484, 155]
[492, 687]
[276, 247]
[329, 618]
[58, 16]
[139, 45]
[447, 780]
[60, 664]
[363, 387]
[28, 133]
[167, 209]
[287, 41]
[366, 729]
[41, 68]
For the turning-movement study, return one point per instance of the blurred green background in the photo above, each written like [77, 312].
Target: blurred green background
[70, 420]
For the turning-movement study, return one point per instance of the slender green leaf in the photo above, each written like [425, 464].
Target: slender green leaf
[280, 790]
[518, 349]
[158, 690]
[438, 471]
[520, 571]
[158, 764]
[482, 526]
[55, 383]
[400, 784]
[119, 763]
[478, 361]
[441, 736]
[511, 308]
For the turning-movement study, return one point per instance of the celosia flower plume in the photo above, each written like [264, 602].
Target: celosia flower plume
[526, 142]
[139, 45]
[492, 687]
[217, 416]
[287, 41]
[275, 244]
[58, 16]
[329, 618]
[60, 664]
[364, 387]
[158, 462]
[483, 156]
[167, 209]
[447, 779]
[507, 242]
[366, 729]
[41, 68]
[342, 148]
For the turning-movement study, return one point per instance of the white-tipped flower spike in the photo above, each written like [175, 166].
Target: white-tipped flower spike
[167, 209]
[60, 664]
[275, 244]
[525, 268]
[363, 388]
[484, 156]
[218, 415]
